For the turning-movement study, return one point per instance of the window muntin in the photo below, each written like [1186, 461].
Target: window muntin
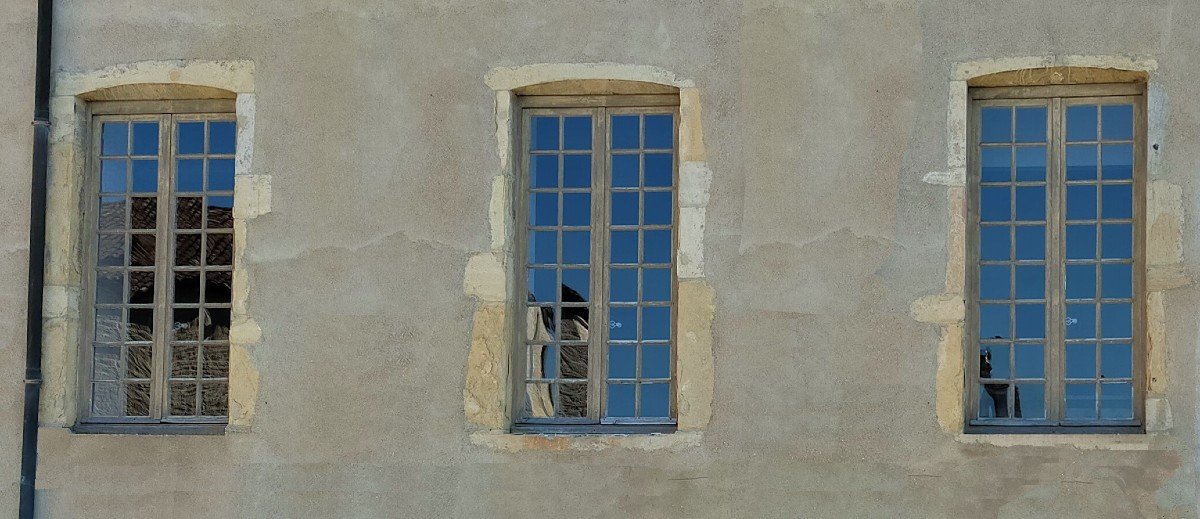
[162, 268]
[1056, 186]
[599, 186]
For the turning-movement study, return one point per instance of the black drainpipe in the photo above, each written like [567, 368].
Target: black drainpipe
[37, 259]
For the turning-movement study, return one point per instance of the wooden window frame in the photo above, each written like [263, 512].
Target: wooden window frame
[1056, 98]
[166, 113]
[600, 108]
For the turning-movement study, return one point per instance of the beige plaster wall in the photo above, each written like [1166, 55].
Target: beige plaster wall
[823, 215]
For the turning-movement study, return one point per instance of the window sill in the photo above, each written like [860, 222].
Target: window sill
[159, 429]
[1128, 441]
[597, 441]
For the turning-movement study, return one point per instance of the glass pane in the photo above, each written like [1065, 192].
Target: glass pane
[575, 320]
[141, 288]
[576, 285]
[220, 212]
[188, 212]
[656, 323]
[1116, 241]
[1081, 281]
[995, 205]
[1081, 241]
[1081, 123]
[1031, 163]
[1117, 160]
[620, 400]
[995, 124]
[993, 243]
[114, 139]
[625, 170]
[183, 361]
[1118, 122]
[624, 210]
[106, 399]
[577, 171]
[537, 397]
[656, 284]
[218, 287]
[656, 400]
[137, 399]
[112, 176]
[183, 398]
[145, 176]
[145, 212]
[1081, 202]
[1081, 401]
[546, 360]
[138, 361]
[145, 138]
[1029, 401]
[1116, 401]
[220, 174]
[994, 282]
[1117, 201]
[111, 251]
[543, 209]
[187, 287]
[622, 324]
[577, 209]
[187, 249]
[545, 133]
[577, 133]
[141, 325]
[1116, 320]
[191, 138]
[622, 284]
[657, 208]
[543, 169]
[994, 361]
[106, 363]
[110, 326]
[993, 401]
[1030, 360]
[214, 399]
[573, 362]
[189, 175]
[1031, 124]
[660, 130]
[1081, 162]
[112, 212]
[222, 137]
[625, 132]
[622, 360]
[576, 247]
[1031, 321]
[1081, 321]
[656, 361]
[656, 246]
[1031, 282]
[185, 324]
[141, 250]
[1117, 281]
[993, 321]
[624, 247]
[1031, 203]
[1116, 361]
[995, 164]
[1031, 242]
[574, 399]
[1080, 361]
[543, 247]
[109, 287]
[215, 361]
[219, 249]
[216, 324]
[660, 170]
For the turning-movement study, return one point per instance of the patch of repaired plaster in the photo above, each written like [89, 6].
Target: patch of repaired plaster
[233, 75]
[487, 365]
[694, 361]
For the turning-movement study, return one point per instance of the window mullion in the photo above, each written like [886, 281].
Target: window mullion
[162, 270]
[1055, 264]
[598, 340]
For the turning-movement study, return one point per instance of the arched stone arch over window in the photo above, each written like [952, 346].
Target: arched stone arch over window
[145, 94]
[492, 398]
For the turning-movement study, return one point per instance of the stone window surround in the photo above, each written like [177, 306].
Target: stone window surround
[1164, 250]
[69, 119]
[489, 275]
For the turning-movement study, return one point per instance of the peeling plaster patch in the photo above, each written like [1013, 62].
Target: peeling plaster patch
[691, 132]
[696, 373]
[539, 442]
[1158, 414]
[252, 196]
[233, 75]
[487, 367]
[956, 127]
[1157, 116]
[1164, 223]
[243, 388]
[939, 309]
[498, 212]
[954, 177]
[1105, 442]
[511, 78]
[1157, 356]
[690, 262]
[948, 402]
[485, 278]
[971, 69]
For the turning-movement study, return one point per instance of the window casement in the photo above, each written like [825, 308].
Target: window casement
[1056, 288]
[159, 252]
[597, 220]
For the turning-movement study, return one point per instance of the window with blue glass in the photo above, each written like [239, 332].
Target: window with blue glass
[599, 217]
[1055, 183]
[161, 269]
